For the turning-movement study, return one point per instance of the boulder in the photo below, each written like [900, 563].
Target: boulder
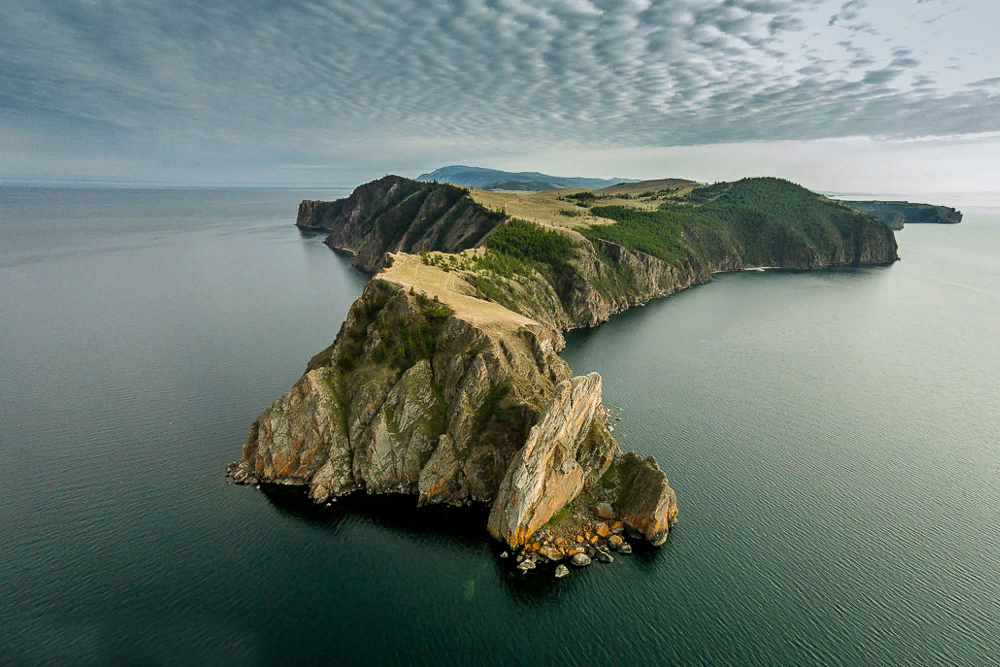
[581, 560]
[646, 504]
[561, 571]
[605, 511]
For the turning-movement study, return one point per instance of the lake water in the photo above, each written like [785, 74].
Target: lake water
[832, 437]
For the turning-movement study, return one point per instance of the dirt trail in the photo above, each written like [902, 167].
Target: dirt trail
[409, 271]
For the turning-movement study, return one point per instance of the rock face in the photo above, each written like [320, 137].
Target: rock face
[396, 214]
[408, 399]
[896, 214]
[646, 501]
[554, 465]
[453, 401]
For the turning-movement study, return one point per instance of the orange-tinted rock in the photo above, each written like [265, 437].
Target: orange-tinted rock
[552, 553]
[648, 504]
[558, 457]
[603, 530]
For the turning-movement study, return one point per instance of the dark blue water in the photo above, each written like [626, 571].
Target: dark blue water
[832, 437]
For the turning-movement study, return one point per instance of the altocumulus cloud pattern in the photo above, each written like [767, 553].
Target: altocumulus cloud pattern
[273, 82]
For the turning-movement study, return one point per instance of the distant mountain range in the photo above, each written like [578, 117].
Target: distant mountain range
[494, 179]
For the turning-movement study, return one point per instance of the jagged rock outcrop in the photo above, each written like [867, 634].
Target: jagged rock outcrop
[408, 399]
[395, 214]
[646, 502]
[899, 213]
[442, 396]
[556, 461]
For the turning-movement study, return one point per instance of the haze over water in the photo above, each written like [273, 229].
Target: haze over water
[832, 438]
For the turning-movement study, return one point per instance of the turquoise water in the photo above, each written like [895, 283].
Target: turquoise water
[832, 437]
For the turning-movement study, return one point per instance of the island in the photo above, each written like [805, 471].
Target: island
[445, 380]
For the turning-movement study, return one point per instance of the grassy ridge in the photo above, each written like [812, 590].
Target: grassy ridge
[756, 221]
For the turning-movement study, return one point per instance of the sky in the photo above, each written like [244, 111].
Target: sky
[855, 96]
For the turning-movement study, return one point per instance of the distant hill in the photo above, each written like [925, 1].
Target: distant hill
[640, 187]
[494, 179]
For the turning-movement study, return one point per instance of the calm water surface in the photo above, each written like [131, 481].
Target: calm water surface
[832, 437]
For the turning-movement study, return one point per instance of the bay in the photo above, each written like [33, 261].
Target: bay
[832, 437]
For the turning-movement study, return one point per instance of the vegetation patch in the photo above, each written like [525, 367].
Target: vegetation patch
[759, 221]
[562, 521]
[404, 337]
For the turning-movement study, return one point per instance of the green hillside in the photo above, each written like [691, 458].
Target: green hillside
[751, 222]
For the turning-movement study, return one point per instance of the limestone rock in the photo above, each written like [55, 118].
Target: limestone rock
[581, 560]
[647, 503]
[561, 571]
[547, 473]
[366, 224]
[453, 407]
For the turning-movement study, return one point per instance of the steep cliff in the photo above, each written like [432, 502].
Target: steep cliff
[749, 223]
[395, 214]
[435, 394]
[898, 213]
[445, 381]
[579, 276]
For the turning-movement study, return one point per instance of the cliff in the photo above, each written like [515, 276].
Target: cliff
[445, 382]
[898, 213]
[453, 399]
[567, 275]
[395, 214]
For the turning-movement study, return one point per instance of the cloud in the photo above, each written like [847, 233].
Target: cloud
[189, 85]
[848, 11]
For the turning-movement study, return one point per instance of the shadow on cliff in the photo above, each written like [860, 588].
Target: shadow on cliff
[445, 528]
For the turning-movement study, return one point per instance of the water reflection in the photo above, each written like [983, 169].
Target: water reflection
[444, 531]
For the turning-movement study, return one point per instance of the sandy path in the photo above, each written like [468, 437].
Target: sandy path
[409, 271]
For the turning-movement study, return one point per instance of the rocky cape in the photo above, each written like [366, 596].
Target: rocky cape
[603, 278]
[896, 214]
[455, 400]
[445, 382]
